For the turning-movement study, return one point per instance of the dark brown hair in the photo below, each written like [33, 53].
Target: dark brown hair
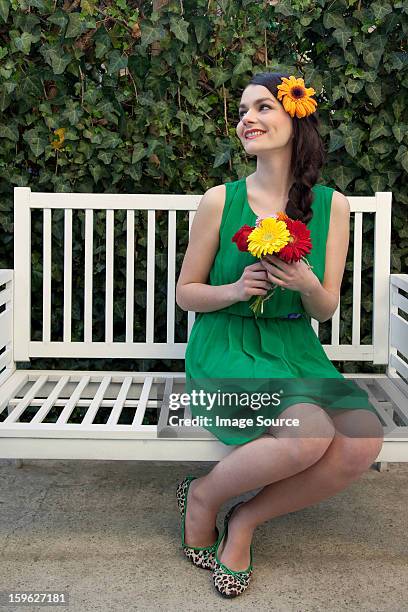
[308, 153]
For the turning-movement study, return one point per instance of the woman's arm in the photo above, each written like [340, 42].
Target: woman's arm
[321, 302]
[192, 292]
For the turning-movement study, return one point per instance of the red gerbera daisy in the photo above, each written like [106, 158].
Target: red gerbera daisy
[300, 242]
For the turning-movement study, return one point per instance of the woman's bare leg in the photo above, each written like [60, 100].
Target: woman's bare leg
[344, 461]
[255, 464]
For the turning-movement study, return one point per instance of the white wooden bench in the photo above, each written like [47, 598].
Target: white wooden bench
[34, 436]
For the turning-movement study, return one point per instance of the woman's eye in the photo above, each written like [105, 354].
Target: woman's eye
[262, 106]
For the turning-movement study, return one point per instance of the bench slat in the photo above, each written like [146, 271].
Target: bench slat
[67, 275]
[130, 273]
[46, 335]
[88, 275]
[109, 276]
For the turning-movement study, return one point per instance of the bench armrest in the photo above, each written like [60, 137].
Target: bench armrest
[7, 364]
[397, 368]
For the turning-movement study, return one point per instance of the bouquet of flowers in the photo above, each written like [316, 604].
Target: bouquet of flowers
[278, 234]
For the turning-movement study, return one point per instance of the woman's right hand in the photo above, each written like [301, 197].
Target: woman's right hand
[254, 281]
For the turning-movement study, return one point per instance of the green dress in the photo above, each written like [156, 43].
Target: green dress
[229, 350]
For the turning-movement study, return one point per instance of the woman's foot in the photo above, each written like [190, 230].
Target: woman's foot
[235, 551]
[200, 521]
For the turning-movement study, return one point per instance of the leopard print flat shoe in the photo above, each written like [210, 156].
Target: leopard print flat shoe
[201, 556]
[226, 581]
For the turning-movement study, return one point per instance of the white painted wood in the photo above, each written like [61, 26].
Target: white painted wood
[165, 350]
[379, 205]
[120, 401]
[22, 273]
[7, 364]
[25, 401]
[130, 273]
[141, 408]
[151, 243]
[97, 401]
[67, 275]
[335, 330]
[5, 359]
[171, 275]
[72, 402]
[5, 326]
[88, 275]
[6, 276]
[47, 256]
[66, 390]
[50, 401]
[357, 256]
[5, 294]
[109, 276]
[117, 201]
[382, 258]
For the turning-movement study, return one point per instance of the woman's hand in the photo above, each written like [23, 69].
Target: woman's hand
[252, 282]
[296, 275]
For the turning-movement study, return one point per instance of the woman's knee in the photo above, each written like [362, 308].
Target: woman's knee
[309, 442]
[356, 455]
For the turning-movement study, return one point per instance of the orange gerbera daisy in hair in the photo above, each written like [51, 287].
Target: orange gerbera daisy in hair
[299, 243]
[296, 98]
[281, 216]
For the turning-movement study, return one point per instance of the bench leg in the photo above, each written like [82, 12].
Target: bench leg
[382, 466]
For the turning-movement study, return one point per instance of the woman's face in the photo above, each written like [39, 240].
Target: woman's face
[267, 115]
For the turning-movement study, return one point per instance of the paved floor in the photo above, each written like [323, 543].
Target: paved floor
[108, 533]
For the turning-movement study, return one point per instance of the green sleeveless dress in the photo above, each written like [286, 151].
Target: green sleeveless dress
[231, 351]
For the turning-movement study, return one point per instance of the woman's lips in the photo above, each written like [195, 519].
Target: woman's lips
[253, 137]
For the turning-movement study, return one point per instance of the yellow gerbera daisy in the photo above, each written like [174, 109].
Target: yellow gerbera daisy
[296, 98]
[268, 238]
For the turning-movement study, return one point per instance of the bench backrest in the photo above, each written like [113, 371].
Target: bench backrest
[26, 201]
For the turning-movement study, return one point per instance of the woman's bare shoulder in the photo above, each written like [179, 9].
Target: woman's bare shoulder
[216, 195]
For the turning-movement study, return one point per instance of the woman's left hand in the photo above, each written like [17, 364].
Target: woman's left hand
[296, 275]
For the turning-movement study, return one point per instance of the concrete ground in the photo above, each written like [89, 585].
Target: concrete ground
[108, 533]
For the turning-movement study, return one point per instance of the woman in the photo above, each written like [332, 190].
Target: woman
[339, 433]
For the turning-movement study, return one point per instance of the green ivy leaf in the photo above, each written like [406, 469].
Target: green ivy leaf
[4, 9]
[151, 33]
[201, 28]
[333, 21]
[105, 156]
[76, 25]
[23, 43]
[9, 131]
[343, 37]
[58, 60]
[400, 130]
[243, 64]
[179, 27]
[59, 18]
[336, 141]
[377, 182]
[5, 99]
[36, 141]
[116, 61]
[221, 157]
[373, 91]
[138, 152]
[73, 112]
[342, 176]
[379, 129]
[218, 76]
[372, 55]
[381, 10]
[366, 163]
